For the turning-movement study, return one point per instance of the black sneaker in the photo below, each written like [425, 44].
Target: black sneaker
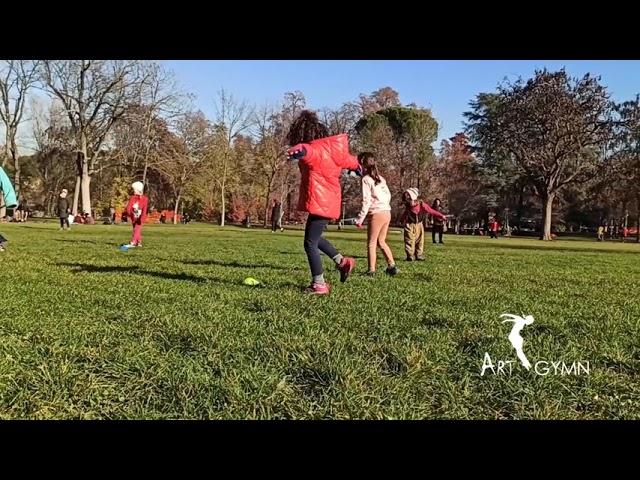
[370, 273]
[419, 259]
[409, 259]
[393, 270]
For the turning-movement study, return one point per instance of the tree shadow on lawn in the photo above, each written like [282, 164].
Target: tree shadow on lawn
[94, 242]
[89, 268]
[237, 264]
[544, 247]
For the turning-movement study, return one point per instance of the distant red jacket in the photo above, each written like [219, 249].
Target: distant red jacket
[321, 167]
[142, 203]
[494, 226]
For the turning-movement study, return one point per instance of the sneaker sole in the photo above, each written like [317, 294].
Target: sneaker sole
[345, 275]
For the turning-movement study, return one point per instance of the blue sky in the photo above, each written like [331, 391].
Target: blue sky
[444, 86]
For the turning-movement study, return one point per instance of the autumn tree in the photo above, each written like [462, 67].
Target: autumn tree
[184, 155]
[554, 128]
[456, 180]
[403, 138]
[626, 162]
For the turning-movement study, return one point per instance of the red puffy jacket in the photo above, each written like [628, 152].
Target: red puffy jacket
[321, 167]
[142, 202]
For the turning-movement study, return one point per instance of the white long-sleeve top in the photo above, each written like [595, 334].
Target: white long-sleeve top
[375, 198]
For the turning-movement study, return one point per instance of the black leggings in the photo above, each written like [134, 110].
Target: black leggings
[314, 243]
[436, 229]
[64, 221]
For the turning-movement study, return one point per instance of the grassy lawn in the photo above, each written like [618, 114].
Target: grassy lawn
[170, 331]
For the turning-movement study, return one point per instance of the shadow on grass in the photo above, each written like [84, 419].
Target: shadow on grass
[545, 247]
[237, 264]
[89, 268]
[94, 242]
[83, 267]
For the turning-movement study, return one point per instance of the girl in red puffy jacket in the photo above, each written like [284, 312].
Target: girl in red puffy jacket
[321, 159]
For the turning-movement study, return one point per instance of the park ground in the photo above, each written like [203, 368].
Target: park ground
[169, 330]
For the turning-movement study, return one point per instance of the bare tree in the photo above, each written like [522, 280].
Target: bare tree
[233, 117]
[269, 150]
[54, 158]
[95, 94]
[17, 77]
[183, 156]
[160, 98]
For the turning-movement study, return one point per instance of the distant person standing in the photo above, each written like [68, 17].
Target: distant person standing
[63, 209]
[276, 216]
[600, 233]
[494, 226]
[437, 224]
[137, 212]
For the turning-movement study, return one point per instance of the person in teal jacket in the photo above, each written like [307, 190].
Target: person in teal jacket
[10, 201]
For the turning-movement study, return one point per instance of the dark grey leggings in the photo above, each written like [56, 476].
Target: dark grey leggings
[314, 243]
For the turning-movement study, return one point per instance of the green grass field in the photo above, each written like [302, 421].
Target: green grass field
[170, 331]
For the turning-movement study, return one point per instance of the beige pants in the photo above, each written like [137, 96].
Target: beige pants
[377, 237]
[414, 239]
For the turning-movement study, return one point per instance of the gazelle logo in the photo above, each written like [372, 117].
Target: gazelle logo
[541, 367]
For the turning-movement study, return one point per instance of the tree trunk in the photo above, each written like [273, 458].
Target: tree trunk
[76, 194]
[222, 207]
[175, 210]
[85, 179]
[548, 208]
[520, 208]
[16, 165]
[638, 219]
[3, 207]
[86, 191]
[266, 211]
[266, 204]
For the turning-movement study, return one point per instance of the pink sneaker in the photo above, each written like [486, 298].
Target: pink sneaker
[318, 289]
[346, 267]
